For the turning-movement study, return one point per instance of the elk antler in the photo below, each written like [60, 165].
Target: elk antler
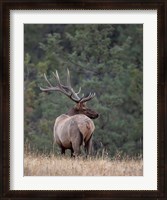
[67, 90]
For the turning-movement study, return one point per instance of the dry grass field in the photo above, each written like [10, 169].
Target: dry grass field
[42, 165]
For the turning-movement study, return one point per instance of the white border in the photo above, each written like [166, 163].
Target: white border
[149, 20]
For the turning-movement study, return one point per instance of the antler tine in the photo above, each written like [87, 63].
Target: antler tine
[57, 77]
[69, 85]
[74, 96]
[47, 80]
[89, 97]
[79, 91]
[62, 87]
[51, 88]
[68, 78]
[58, 80]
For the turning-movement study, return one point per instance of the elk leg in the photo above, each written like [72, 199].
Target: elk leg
[62, 150]
[88, 147]
[72, 152]
[77, 138]
[76, 148]
[77, 143]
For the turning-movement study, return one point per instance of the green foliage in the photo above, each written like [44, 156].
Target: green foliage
[106, 59]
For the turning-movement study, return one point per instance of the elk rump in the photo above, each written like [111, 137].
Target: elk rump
[70, 132]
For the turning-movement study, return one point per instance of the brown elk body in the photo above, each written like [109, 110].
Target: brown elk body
[75, 128]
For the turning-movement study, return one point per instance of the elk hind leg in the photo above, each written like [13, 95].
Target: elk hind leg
[89, 147]
[72, 152]
[76, 143]
[62, 150]
[76, 138]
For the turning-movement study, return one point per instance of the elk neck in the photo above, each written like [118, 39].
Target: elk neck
[72, 112]
[88, 112]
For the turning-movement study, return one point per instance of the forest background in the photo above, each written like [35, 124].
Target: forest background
[102, 58]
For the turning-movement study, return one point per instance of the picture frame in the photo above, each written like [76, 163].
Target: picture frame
[161, 7]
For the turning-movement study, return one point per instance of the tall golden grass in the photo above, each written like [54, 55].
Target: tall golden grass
[54, 165]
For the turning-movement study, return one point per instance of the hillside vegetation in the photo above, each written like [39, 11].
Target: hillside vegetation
[103, 58]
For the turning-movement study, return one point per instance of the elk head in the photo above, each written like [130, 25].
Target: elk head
[80, 107]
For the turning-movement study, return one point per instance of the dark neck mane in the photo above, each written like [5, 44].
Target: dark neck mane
[72, 112]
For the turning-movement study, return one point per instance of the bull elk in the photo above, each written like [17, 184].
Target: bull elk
[75, 128]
